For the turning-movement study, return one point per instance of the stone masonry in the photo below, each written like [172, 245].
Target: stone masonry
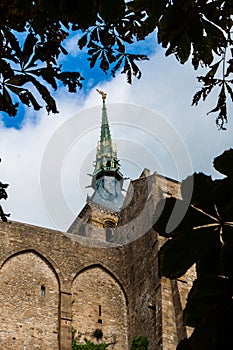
[53, 282]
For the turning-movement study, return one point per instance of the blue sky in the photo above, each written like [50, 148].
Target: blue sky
[77, 60]
[152, 123]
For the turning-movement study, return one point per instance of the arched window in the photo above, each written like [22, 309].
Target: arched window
[109, 230]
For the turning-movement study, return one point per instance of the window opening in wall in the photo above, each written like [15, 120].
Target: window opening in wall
[109, 234]
[100, 310]
[109, 230]
[99, 320]
[42, 291]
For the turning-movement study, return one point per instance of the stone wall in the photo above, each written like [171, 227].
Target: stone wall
[29, 302]
[98, 298]
[51, 282]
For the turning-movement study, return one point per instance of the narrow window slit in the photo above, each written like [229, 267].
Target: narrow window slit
[42, 291]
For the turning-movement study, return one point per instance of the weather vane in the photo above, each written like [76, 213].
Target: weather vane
[103, 94]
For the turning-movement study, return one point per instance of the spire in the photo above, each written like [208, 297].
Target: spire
[105, 137]
[107, 180]
[107, 162]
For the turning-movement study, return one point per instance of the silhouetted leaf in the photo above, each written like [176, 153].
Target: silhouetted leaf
[48, 74]
[111, 11]
[205, 238]
[221, 108]
[117, 65]
[230, 92]
[196, 29]
[207, 296]
[28, 48]
[6, 69]
[71, 79]
[229, 68]
[213, 70]
[224, 163]
[25, 96]
[83, 41]
[51, 105]
[176, 256]
[3, 215]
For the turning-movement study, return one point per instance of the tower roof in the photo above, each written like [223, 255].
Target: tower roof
[107, 180]
[107, 162]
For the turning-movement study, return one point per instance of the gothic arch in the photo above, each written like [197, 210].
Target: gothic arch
[99, 302]
[46, 259]
[30, 302]
[101, 266]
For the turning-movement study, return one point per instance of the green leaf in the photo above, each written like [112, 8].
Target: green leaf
[139, 343]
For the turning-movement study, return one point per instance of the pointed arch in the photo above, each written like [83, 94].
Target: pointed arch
[30, 301]
[99, 303]
[46, 259]
[108, 271]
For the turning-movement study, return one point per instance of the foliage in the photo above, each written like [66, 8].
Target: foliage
[205, 238]
[139, 343]
[88, 344]
[194, 29]
[98, 334]
[3, 195]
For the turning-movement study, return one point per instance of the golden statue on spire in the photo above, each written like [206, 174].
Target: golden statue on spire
[103, 94]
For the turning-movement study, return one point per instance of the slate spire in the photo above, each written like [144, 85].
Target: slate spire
[107, 162]
[107, 180]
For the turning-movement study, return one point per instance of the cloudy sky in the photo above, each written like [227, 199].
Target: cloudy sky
[46, 159]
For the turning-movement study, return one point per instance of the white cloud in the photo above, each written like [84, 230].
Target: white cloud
[71, 44]
[165, 87]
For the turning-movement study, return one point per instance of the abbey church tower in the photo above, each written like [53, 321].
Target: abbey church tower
[101, 278]
[102, 209]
